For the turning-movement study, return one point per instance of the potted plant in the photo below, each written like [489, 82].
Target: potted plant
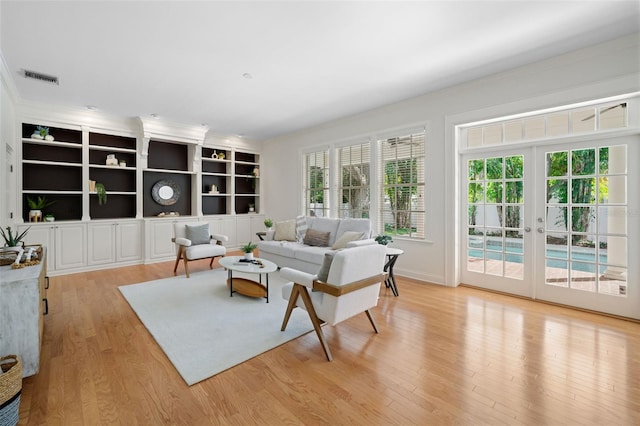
[12, 240]
[102, 194]
[49, 217]
[248, 249]
[384, 239]
[36, 206]
[268, 223]
[251, 208]
[41, 132]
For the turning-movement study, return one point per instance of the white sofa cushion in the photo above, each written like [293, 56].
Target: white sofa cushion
[281, 248]
[355, 225]
[325, 224]
[345, 238]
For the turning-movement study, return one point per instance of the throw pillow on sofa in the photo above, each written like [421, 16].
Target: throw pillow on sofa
[301, 228]
[285, 230]
[316, 238]
[346, 238]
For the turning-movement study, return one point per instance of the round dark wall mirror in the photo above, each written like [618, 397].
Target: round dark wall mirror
[165, 192]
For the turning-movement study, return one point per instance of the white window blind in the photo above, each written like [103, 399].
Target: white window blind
[316, 183]
[355, 175]
[402, 184]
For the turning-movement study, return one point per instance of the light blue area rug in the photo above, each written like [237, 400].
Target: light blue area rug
[202, 330]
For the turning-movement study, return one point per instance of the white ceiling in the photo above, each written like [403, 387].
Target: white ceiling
[311, 61]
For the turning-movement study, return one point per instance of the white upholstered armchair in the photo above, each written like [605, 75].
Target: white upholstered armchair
[194, 241]
[345, 286]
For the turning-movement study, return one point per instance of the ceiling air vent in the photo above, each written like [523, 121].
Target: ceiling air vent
[42, 77]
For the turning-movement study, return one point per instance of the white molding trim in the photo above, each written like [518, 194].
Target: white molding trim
[8, 80]
[153, 128]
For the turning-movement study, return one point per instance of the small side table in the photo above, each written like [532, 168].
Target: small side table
[392, 258]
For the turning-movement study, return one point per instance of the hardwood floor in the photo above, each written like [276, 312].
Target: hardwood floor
[443, 356]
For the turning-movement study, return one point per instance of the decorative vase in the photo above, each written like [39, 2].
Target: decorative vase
[248, 256]
[49, 138]
[35, 215]
[214, 155]
[36, 136]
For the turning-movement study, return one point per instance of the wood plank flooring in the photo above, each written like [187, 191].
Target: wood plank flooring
[443, 356]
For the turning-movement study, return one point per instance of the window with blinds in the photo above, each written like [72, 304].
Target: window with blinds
[354, 189]
[316, 183]
[402, 173]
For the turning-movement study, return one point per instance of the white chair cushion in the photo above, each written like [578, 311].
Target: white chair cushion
[201, 251]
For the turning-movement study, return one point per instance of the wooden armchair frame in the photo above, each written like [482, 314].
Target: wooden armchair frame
[333, 290]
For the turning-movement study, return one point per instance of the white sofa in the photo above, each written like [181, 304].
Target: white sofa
[287, 250]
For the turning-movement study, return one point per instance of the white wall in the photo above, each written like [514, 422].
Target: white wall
[7, 147]
[603, 70]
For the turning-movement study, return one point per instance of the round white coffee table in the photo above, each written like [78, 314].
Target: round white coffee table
[246, 286]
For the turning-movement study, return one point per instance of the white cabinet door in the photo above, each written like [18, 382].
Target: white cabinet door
[70, 243]
[257, 225]
[102, 243]
[128, 241]
[159, 233]
[243, 224]
[228, 228]
[113, 242]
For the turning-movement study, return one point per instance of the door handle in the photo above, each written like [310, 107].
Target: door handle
[527, 229]
[541, 230]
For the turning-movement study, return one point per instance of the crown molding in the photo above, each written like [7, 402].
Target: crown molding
[7, 80]
[153, 128]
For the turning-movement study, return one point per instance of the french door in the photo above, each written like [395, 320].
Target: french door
[557, 222]
[497, 242]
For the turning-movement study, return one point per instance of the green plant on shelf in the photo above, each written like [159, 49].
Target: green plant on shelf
[43, 131]
[39, 203]
[102, 194]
